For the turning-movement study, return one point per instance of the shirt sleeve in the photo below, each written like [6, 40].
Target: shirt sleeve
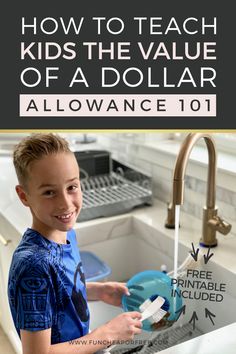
[34, 300]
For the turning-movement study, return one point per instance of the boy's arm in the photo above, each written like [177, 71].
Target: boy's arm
[39, 342]
[94, 290]
[122, 327]
[109, 292]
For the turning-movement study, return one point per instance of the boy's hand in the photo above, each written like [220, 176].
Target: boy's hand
[112, 292]
[123, 327]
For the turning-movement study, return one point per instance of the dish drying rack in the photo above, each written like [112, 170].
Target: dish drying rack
[117, 191]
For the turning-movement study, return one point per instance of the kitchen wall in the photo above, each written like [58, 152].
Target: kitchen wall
[155, 154]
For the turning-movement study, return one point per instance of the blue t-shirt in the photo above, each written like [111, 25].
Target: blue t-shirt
[46, 287]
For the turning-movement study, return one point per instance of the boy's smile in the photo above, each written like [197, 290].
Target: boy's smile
[53, 194]
[65, 217]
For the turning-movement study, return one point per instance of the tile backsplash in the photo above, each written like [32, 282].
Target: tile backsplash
[134, 150]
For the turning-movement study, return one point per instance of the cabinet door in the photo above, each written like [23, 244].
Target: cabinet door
[6, 251]
[8, 244]
[5, 261]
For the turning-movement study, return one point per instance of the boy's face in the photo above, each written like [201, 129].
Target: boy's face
[53, 193]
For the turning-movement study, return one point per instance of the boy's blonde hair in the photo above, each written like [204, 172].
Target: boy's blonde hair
[34, 147]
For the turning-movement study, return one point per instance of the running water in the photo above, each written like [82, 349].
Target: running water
[177, 211]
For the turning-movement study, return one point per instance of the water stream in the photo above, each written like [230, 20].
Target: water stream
[176, 248]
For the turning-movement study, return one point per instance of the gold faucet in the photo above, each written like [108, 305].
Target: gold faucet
[211, 221]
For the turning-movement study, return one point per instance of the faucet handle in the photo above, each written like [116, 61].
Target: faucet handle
[218, 224]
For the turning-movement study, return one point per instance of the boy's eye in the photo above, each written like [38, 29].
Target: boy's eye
[49, 193]
[73, 188]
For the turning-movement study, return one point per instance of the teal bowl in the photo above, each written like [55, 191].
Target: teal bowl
[146, 284]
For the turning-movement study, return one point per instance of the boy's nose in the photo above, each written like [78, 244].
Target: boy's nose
[64, 202]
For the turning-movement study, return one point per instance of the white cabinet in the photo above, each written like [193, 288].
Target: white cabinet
[6, 252]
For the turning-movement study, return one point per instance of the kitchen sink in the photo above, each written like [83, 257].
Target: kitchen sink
[129, 245]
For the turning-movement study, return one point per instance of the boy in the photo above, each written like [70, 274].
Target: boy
[46, 289]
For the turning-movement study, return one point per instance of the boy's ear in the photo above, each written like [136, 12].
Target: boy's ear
[22, 195]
